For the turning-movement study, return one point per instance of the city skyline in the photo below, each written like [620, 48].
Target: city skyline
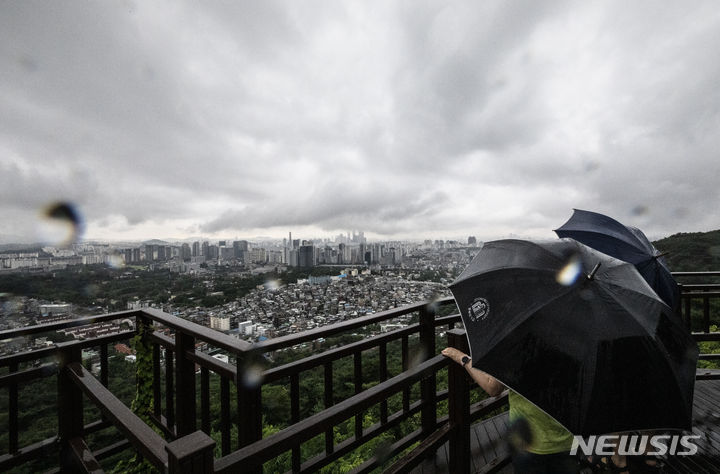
[186, 120]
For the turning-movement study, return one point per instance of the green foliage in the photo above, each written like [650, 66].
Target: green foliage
[142, 404]
[692, 252]
[709, 347]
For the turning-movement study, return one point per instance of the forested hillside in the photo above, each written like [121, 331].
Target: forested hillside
[695, 251]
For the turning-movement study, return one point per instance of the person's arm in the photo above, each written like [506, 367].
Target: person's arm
[486, 381]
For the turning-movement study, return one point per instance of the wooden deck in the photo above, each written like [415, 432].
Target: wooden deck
[489, 452]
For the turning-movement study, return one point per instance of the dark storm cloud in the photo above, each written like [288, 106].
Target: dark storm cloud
[398, 118]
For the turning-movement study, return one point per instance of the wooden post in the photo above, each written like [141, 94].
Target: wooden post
[428, 386]
[249, 403]
[13, 412]
[191, 454]
[185, 385]
[70, 406]
[459, 408]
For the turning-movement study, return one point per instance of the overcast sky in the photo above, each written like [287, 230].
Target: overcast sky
[404, 119]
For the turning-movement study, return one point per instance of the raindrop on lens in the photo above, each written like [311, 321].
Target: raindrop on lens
[383, 452]
[639, 210]
[272, 285]
[90, 290]
[61, 224]
[252, 376]
[116, 262]
[417, 357]
[569, 274]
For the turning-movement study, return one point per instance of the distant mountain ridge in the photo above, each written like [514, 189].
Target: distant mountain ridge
[692, 251]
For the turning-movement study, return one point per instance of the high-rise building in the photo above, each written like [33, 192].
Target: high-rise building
[185, 252]
[206, 249]
[258, 255]
[196, 249]
[293, 258]
[213, 252]
[306, 256]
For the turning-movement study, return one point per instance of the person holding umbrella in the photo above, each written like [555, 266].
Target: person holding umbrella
[582, 341]
[542, 445]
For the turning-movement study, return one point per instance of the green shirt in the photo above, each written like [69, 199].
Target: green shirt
[548, 436]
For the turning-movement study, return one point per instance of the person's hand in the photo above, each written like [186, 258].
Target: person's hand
[453, 354]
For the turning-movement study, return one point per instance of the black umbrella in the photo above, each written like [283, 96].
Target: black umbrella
[627, 243]
[578, 333]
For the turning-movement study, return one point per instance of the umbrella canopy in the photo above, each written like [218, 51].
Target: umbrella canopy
[578, 333]
[627, 243]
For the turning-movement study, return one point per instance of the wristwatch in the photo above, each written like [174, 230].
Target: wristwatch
[464, 360]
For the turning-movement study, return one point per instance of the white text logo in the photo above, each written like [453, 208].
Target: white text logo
[630, 445]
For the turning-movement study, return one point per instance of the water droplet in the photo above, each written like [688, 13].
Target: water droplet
[383, 452]
[519, 435]
[417, 356]
[90, 290]
[639, 210]
[569, 274]
[591, 166]
[61, 224]
[13, 305]
[272, 285]
[115, 261]
[252, 376]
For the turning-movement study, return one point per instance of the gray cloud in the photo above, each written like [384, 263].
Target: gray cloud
[399, 118]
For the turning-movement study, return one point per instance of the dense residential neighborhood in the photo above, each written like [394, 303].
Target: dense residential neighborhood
[276, 298]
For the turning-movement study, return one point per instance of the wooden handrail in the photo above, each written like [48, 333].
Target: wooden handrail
[329, 330]
[690, 274]
[255, 454]
[335, 354]
[145, 440]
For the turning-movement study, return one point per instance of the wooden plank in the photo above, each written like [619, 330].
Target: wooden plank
[326, 331]
[279, 442]
[483, 443]
[28, 375]
[419, 455]
[85, 460]
[351, 443]
[147, 441]
[45, 447]
[477, 458]
[331, 355]
[494, 439]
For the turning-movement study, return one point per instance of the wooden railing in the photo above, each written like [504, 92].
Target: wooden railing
[181, 408]
[176, 410]
[697, 297]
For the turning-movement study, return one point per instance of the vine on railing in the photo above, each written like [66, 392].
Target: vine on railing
[142, 404]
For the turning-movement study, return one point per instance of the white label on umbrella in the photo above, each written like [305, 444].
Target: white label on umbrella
[479, 309]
